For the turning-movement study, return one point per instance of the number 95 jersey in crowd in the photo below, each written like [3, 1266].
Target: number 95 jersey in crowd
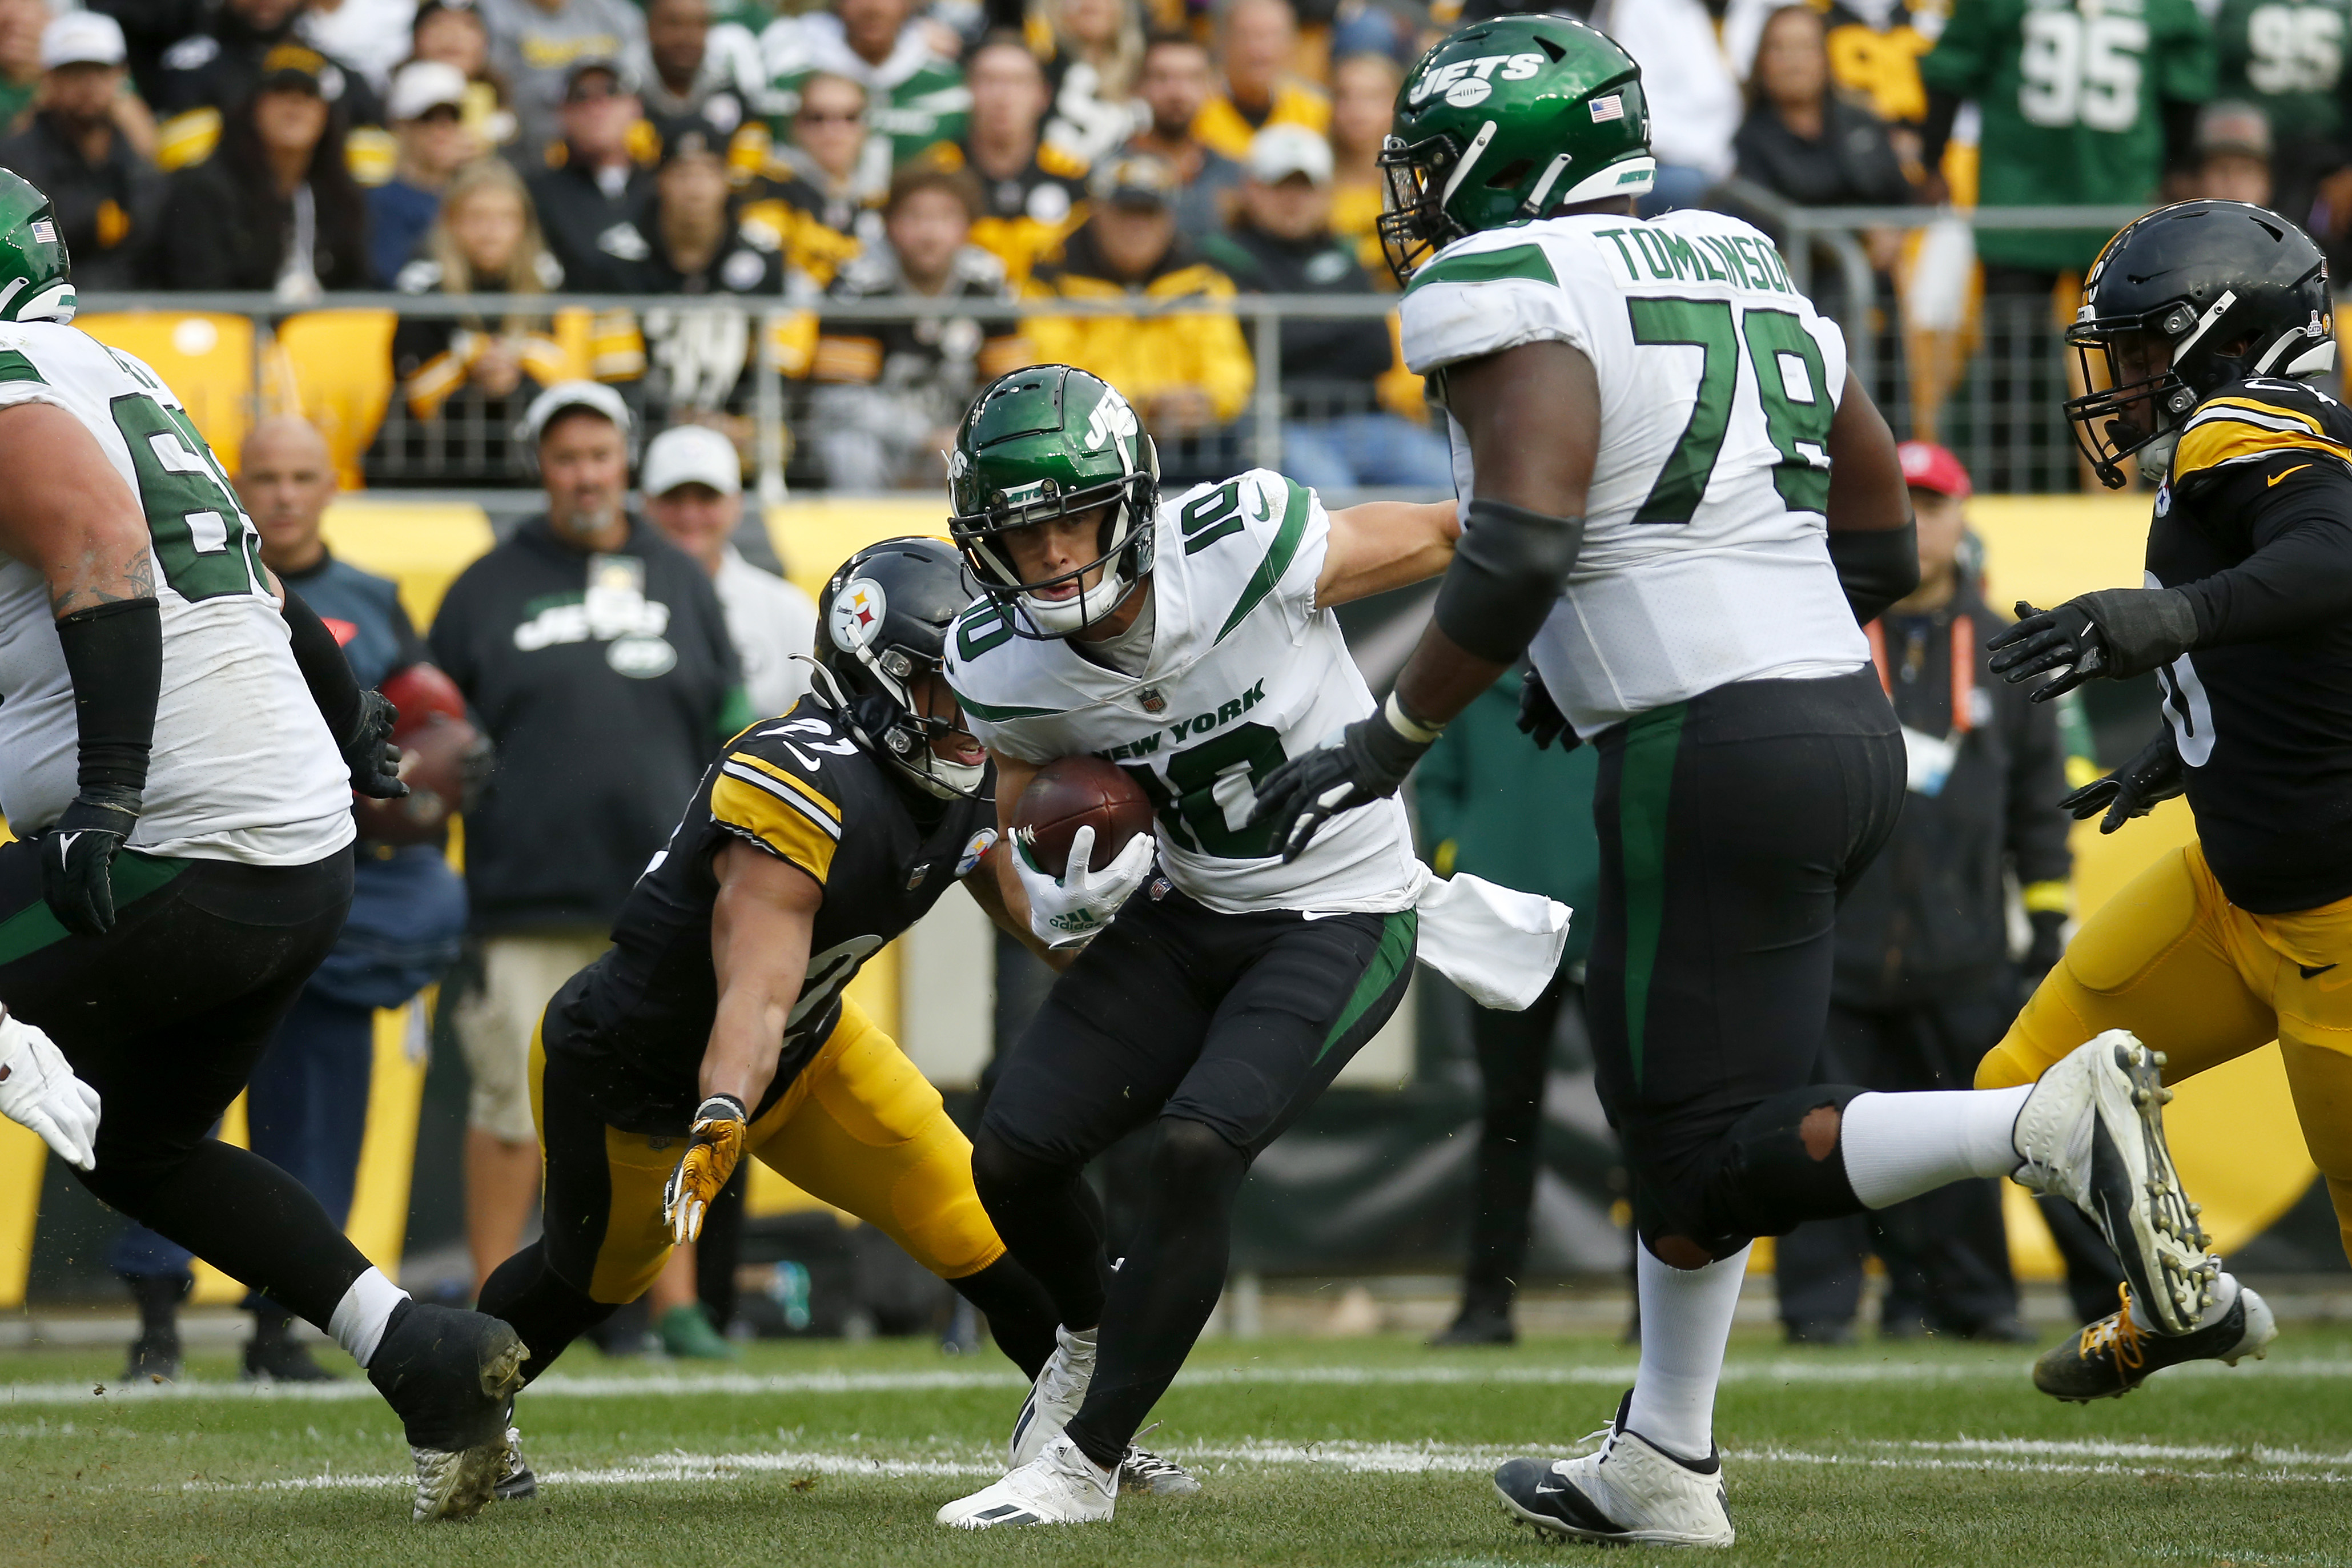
[1705, 557]
[802, 791]
[1243, 672]
[243, 767]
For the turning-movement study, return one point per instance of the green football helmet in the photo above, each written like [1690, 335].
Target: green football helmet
[34, 267]
[1047, 442]
[1507, 121]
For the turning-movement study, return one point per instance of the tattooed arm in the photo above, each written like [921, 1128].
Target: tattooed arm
[65, 512]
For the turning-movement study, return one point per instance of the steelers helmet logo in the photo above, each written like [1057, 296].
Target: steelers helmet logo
[857, 613]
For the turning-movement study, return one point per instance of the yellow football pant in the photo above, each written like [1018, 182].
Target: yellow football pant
[2173, 961]
[860, 1129]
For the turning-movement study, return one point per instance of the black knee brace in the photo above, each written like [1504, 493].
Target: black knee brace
[1766, 1182]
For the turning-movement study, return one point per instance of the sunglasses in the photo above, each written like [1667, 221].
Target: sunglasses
[441, 114]
[823, 117]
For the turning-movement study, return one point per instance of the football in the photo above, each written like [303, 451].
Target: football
[440, 754]
[1071, 793]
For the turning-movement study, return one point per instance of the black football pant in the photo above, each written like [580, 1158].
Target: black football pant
[165, 1016]
[1514, 1053]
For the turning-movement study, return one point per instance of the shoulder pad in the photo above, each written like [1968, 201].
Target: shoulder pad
[773, 788]
[984, 625]
[2248, 420]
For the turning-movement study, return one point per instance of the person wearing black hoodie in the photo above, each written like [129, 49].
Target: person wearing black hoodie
[207, 78]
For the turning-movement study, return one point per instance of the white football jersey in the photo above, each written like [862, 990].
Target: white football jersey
[1244, 672]
[1706, 555]
[242, 768]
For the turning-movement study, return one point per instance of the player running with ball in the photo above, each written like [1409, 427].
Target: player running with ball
[1193, 644]
[1682, 502]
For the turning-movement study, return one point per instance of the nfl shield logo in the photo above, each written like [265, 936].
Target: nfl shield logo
[1152, 699]
[915, 877]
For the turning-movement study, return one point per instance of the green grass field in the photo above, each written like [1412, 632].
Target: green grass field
[1344, 1452]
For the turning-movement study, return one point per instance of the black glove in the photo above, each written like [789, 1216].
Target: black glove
[77, 852]
[2048, 946]
[373, 760]
[1540, 720]
[2117, 632]
[2133, 789]
[1368, 763]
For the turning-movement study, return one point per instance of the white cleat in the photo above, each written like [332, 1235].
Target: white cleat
[1060, 1486]
[1629, 1493]
[1060, 1389]
[2093, 1131]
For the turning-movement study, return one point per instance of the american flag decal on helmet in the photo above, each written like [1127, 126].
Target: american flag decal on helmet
[1610, 108]
[44, 231]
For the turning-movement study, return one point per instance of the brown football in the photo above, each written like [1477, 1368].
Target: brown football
[437, 759]
[1071, 793]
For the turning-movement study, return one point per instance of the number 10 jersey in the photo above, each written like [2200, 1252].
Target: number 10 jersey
[243, 768]
[1706, 555]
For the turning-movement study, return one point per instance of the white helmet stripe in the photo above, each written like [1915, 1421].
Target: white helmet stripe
[1469, 156]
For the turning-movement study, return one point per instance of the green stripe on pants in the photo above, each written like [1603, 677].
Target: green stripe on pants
[132, 876]
[1398, 933]
[1645, 785]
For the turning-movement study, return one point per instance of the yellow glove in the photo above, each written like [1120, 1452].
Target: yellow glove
[709, 1161]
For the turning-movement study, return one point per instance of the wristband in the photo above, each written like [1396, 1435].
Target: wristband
[1410, 728]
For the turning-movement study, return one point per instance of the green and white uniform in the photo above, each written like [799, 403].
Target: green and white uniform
[914, 97]
[1705, 557]
[243, 767]
[2286, 57]
[2071, 91]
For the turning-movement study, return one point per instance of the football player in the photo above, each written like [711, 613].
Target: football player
[2202, 324]
[718, 1018]
[179, 742]
[1193, 645]
[1683, 505]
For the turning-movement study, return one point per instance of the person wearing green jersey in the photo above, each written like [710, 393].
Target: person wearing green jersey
[2286, 58]
[915, 95]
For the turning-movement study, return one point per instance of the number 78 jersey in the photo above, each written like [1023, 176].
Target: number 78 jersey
[1706, 555]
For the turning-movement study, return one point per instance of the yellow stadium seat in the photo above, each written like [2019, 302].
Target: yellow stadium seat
[206, 359]
[334, 367]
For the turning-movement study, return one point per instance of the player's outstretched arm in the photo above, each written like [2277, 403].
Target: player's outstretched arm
[65, 512]
[1874, 541]
[1385, 544]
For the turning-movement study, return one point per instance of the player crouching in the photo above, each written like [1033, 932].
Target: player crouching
[718, 1016]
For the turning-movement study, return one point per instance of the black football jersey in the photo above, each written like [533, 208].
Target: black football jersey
[2265, 727]
[801, 789]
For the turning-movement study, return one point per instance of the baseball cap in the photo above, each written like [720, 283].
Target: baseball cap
[593, 396]
[1927, 467]
[691, 455]
[2226, 128]
[292, 65]
[624, 80]
[82, 38]
[692, 137]
[1280, 152]
[1135, 180]
[422, 85]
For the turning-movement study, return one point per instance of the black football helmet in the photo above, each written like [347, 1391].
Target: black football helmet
[2226, 289]
[881, 623]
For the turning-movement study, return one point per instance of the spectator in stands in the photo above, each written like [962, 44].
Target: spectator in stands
[915, 95]
[1805, 141]
[538, 47]
[888, 394]
[273, 209]
[1692, 96]
[108, 198]
[1335, 435]
[1094, 54]
[149, 28]
[701, 72]
[1188, 373]
[595, 200]
[428, 110]
[1363, 101]
[22, 23]
[2299, 89]
[1492, 806]
[1257, 40]
[693, 485]
[210, 76]
[452, 31]
[1032, 194]
[698, 363]
[1175, 87]
[467, 382]
[371, 36]
[2233, 154]
[1923, 984]
[832, 170]
[596, 654]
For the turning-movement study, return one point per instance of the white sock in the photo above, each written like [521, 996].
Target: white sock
[1686, 1323]
[360, 1316]
[2225, 1294]
[1898, 1146]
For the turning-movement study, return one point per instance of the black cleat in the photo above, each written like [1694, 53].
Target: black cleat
[1477, 1324]
[451, 1376]
[1818, 1332]
[155, 1358]
[275, 1355]
[2115, 1355]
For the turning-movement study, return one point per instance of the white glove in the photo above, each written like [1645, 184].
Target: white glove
[1069, 911]
[40, 1091]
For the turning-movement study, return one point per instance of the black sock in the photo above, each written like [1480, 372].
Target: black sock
[1019, 1314]
[248, 1219]
[1167, 1288]
[546, 1313]
[1050, 1220]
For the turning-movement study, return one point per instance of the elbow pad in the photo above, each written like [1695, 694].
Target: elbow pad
[1875, 567]
[1508, 573]
[114, 656]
